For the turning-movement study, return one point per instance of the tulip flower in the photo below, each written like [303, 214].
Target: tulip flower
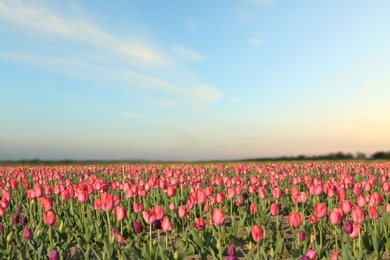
[348, 227]
[107, 202]
[54, 255]
[138, 208]
[312, 254]
[320, 210]
[199, 224]
[120, 213]
[373, 213]
[27, 234]
[160, 212]
[358, 215]
[274, 208]
[49, 218]
[218, 217]
[231, 250]
[295, 219]
[166, 225]
[15, 219]
[257, 233]
[137, 226]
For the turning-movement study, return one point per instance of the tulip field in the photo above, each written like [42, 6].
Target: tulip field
[311, 210]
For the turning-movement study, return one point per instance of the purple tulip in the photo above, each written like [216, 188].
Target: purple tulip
[54, 255]
[137, 227]
[15, 218]
[302, 235]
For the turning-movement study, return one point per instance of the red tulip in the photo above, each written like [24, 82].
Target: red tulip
[49, 218]
[120, 213]
[295, 219]
[346, 206]
[356, 230]
[358, 215]
[335, 218]
[199, 224]
[218, 217]
[182, 211]
[97, 204]
[138, 208]
[107, 202]
[277, 193]
[257, 233]
[253, 208]
[373, 213]
[274, 209]
[201, 197]
[320, 210]
[312, 254]
[220, 197]
[149, 216]
[361, 201]
[166, 225]
[82, 196]
[160, 212]
[376, 199]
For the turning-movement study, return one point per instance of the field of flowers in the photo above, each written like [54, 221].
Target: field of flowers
[313, 210]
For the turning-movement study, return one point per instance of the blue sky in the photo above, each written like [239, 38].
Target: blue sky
[193, 80]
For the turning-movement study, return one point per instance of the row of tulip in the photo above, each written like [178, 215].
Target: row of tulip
[253, 211]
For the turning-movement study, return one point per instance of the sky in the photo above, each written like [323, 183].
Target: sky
[193, 80]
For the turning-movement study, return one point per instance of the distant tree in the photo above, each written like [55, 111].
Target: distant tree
[381, 155]
[360, 156]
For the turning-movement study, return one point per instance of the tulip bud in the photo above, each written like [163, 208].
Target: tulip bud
[231, 250]
[157, 224]
[61, 228]
[54, 255]
[10, 236]
[39, 233]
[20, 209]
[27, 234]
[302, 235]
[176, 255]
[348, 227]
[15, 218]
[1, 228]
[23, 222]
[137, 227]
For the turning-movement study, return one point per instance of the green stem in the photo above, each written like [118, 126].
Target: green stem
[220, 244]
[150, 239]
[109, 227]
[50, 237]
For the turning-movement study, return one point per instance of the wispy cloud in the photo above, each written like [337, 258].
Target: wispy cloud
[47, 21]
[255, 41]
[129, 78]
[200, 108]
[132, 115]
[192, 25]
[132, 54]
[187, 54]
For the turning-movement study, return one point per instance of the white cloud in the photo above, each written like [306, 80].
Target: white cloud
[187, 54]
[200, 108]
[130, 78]
[256, 41]
[97, 62]
[47, 21]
